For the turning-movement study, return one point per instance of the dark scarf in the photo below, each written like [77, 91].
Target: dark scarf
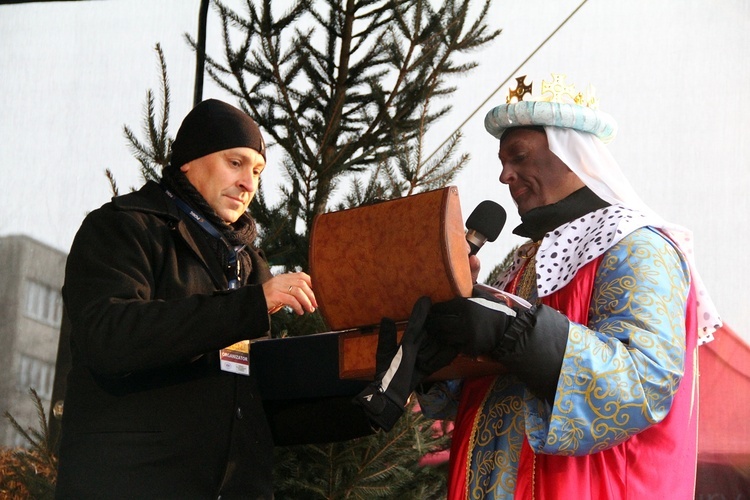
[241, 232]
[539, 221]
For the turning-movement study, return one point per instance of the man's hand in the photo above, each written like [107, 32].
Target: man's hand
[475, 266]
[290, 289]
[530, 343]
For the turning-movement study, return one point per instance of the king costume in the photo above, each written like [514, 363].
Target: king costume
[618, 420]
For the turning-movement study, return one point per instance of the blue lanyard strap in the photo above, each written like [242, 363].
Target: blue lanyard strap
[234, 270]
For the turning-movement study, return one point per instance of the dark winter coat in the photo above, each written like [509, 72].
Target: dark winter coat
[148, 412]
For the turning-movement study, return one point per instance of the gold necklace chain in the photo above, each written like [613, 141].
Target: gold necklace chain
[525, 286]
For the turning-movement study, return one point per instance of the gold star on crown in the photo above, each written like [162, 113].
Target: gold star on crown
[557, 90]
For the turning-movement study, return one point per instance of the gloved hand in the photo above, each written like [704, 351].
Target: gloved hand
[400, 368]
[473, 325]
[530, 343]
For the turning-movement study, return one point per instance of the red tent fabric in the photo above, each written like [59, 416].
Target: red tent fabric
[724, 418]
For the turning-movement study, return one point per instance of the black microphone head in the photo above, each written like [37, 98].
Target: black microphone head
[487, 219]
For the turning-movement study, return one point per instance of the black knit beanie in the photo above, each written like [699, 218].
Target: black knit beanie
[214, 126]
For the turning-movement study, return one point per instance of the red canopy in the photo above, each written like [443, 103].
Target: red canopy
[724, 417]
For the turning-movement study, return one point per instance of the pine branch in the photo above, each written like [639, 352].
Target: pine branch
[30, 473]
[112, 182]
[153, 155]
[384, 465]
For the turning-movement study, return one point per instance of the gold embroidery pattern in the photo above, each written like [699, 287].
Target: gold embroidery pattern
[620, 376]
[496, 441]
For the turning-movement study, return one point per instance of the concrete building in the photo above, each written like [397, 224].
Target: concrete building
[31, 276]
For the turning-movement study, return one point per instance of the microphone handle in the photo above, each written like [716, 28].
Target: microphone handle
[475, 240]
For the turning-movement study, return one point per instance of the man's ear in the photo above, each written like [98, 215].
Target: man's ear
[185, 167]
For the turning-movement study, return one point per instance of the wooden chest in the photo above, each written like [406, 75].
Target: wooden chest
[376, 261]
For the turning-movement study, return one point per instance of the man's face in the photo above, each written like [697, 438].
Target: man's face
[227, 179]
[535, 175]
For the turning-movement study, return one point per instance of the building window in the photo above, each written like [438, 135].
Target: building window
[43, 303]
[36, 374]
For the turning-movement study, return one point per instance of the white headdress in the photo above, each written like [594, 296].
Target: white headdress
[576, 132]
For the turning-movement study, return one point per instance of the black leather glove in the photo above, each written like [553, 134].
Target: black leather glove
[473, 325]
[400, 368]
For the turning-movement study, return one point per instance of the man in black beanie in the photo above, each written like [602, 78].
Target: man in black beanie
[215, 126]
[163, 289]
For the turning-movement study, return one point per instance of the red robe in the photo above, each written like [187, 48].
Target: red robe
[624, 471]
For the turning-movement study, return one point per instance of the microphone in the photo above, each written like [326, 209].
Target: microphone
[484, 224]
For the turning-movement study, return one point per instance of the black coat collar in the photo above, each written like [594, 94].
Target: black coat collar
[539, 221]
[152, 199]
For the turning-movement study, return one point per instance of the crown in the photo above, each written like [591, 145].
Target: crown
[557, 90]
[558, 104]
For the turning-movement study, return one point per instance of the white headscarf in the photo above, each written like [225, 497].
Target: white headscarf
[592, 162]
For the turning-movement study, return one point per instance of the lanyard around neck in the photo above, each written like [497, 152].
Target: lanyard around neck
[233, 270]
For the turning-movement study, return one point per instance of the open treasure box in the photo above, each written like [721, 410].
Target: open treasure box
[368, 263]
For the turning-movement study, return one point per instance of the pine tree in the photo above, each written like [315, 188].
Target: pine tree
[347, 90]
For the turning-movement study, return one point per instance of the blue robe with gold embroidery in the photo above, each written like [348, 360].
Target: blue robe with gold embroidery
[624, 419]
